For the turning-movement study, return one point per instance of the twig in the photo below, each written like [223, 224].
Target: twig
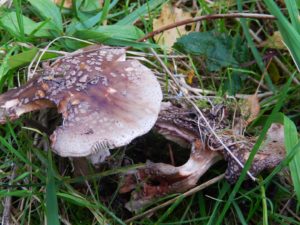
[186, 194]
[206, 17]
[201, 114]
[7, 201]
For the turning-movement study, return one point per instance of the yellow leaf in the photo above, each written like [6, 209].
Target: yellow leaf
[274, 41]
[169, 15]
[190, 76]
[251, 108]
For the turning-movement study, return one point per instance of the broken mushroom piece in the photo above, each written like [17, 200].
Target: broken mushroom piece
[184, 128]
[158, 179]
[270, 154]
[105, 100]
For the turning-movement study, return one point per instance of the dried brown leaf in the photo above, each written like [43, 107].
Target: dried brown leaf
[169, 15]
[253, 106]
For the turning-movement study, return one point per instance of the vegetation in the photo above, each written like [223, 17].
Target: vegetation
[222, 59]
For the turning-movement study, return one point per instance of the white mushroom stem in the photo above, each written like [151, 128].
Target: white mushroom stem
[186, 176]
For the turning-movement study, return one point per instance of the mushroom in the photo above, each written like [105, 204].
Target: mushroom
[184, 128]
[105, 100]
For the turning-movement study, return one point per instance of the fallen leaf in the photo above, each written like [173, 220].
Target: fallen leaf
[190, 76]
[169, 15]
[252, 103]
[274, 41]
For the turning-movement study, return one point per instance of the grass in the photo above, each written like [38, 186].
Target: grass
[44, 188]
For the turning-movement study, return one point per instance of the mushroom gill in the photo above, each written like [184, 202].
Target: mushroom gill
[105, 100]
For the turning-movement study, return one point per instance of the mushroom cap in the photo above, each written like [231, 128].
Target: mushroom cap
[105, 100]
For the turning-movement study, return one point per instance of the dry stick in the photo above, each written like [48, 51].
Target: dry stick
[7, 201]
[186, 194]
[206, 17]
[202, 116]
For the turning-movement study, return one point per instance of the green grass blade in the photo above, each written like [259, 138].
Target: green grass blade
[254, 50]
[293, 13]
[239, 213]
[4, 67]
[169, 210]
[264, 202]
[114, 35]
[51, 198]
[140, 11]
[9, 21]
[289, 33]
[16, 193]
[112, 32]
[81, 201]
[105, 10]
[76, 25]
[12, 150]
[17, 4]
[290, 140]
[26, 57]
[225, 188]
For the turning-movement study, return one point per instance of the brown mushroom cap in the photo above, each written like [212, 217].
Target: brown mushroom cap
[105, 101]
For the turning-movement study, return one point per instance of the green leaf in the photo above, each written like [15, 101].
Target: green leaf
[290, 141]
[26, 57]
[77, 200]
[48, 10]
[114, 35]
[88, 23]
[140, 11]
[105, 11]
[293, 13]
[90, 5]
[10, 23]
[18, 7]
[216, 49]
[4, 67]
[233, 83]
[115, 31]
